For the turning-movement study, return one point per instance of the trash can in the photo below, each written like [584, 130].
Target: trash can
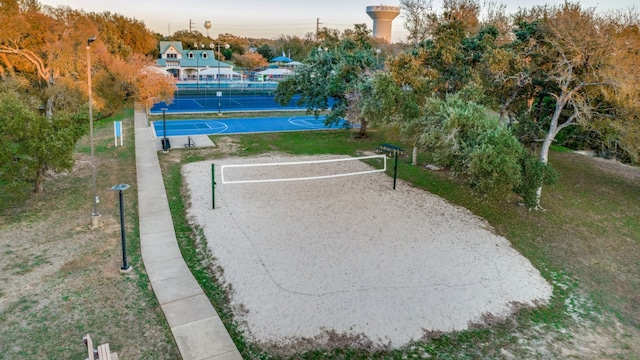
[165, 144]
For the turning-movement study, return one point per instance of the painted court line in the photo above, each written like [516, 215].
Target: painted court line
[305, 123]
[242, 125]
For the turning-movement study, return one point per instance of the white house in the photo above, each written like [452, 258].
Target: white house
[187, 64]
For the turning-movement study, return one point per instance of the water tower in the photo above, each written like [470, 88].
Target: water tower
[382, 16]
[207, 25]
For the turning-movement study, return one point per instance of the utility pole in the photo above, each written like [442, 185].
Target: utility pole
[317, 27]
[190, 24]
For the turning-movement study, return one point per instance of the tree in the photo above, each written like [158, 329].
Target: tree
[134, 79]
[250, 60]
[507, 78]
[624, 123]
[124, 36]
[265, 51]
[416, 14]
[293, 47]
[480, 150]
[44, 50]
[40, 48]
[47, 46]
[189, 38]
[581, 67]
[398, 97]
[327, 37]
[331, 78]
[33, 144]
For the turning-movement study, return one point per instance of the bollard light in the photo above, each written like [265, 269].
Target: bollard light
[165, 142]
[120, 188]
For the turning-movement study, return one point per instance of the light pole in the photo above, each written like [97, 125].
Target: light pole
[95, 217]
[198, 54]
[197, 69]
[120, 188]
[219, 94]
[207, 25]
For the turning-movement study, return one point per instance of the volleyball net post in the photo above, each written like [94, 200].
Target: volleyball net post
[213, 186]
[395, 170]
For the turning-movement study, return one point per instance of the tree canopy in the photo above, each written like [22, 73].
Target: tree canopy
[331, 77]
[548, 69]
[44, 68]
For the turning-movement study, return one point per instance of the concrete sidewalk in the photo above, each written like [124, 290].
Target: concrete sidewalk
[196, 327]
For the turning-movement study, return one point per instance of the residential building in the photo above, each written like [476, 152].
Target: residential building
[196, 65]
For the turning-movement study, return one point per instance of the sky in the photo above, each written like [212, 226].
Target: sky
[269, 19]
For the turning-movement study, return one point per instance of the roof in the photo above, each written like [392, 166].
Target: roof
[275, 72]
[281, 58]
[164, 46]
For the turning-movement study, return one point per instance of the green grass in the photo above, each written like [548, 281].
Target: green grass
[305, 143]
[68, 274]
[559, 242]
[587, 244]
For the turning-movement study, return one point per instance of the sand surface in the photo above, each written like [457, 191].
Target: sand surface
[351, 256]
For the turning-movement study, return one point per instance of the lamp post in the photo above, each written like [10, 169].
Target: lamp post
[165, 142]
[219, 94]
[197, 69]
[120, 188]
[95, 217]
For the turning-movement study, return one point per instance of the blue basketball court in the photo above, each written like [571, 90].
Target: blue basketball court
[241, 125]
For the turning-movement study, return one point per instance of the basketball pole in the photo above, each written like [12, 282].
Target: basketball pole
[213, 186]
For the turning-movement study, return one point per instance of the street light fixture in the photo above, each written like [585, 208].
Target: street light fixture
[120, 188]
[95, 217]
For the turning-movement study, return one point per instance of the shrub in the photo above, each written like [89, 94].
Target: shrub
[462, 137]
[494, 163]
[534, 174]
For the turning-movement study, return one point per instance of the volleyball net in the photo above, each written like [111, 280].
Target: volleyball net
[302, 170]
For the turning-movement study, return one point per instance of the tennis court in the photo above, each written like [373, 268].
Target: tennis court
[241, 125]
[224, 103]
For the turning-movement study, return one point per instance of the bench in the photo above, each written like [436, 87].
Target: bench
[389, 149]
[101, 353]
[190, 143]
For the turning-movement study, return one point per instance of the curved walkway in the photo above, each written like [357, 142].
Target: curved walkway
[196, 327]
